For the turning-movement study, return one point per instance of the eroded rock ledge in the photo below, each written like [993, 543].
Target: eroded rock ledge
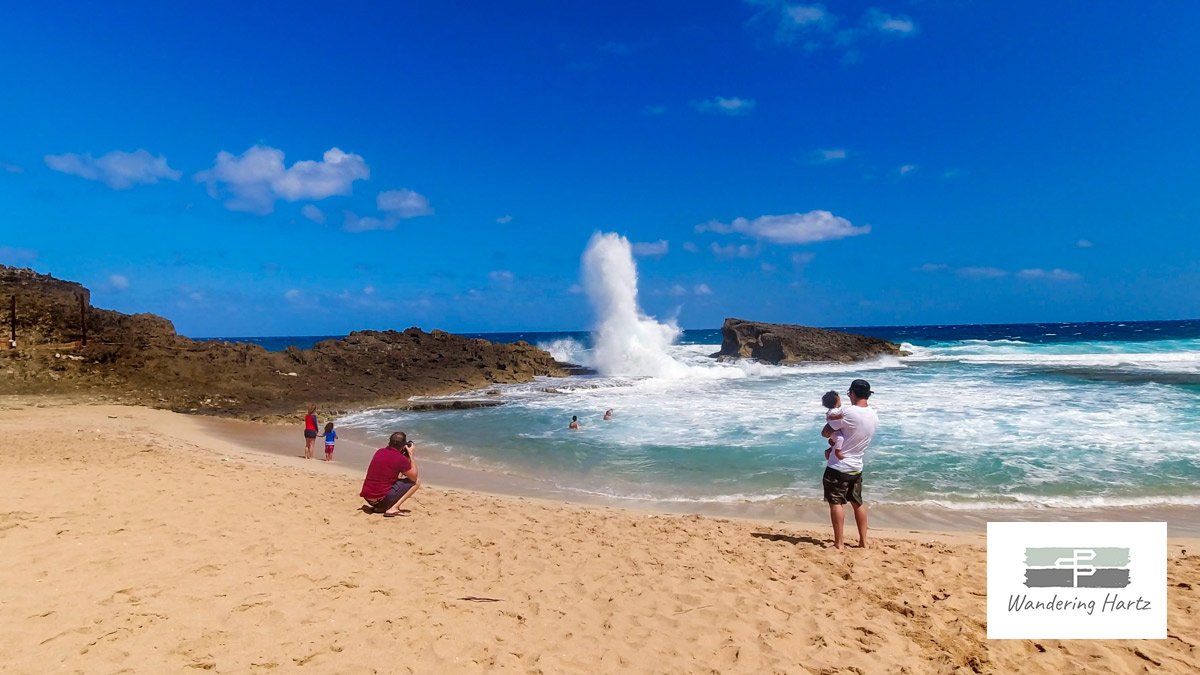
[786, 344]
[140, 359]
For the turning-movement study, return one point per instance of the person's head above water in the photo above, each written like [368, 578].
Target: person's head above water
[574, 418]
[830, 399]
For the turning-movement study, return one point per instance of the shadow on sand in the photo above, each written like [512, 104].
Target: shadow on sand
[789, 538]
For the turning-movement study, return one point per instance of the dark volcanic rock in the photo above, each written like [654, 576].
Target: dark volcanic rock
[140, 359]
[785, 343]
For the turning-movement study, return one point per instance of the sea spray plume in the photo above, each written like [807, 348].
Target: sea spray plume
[566, 350]
[625, 340]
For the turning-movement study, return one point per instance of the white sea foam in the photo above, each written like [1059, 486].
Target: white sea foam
[1024, 502]
[567, 350]
[1166, 357]
[626, 340]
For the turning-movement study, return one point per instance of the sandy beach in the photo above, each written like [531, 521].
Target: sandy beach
[137, 540]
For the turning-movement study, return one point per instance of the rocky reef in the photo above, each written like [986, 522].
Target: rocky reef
[140, 359]
[785, 344]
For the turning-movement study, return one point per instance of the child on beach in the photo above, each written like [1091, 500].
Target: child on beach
[833, 405]
[330, 439]
[574, 425]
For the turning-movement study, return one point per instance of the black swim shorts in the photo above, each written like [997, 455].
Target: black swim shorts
[309, 433]
[398, 490]
[842, 487]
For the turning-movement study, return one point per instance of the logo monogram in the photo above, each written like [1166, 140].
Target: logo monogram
[1076, 567]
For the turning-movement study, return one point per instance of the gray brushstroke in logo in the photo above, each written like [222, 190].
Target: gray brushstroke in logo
[1101, 567]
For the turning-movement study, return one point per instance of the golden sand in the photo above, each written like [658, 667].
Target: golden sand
[135, 540]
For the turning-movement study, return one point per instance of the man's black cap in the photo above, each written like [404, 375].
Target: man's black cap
[860, 388]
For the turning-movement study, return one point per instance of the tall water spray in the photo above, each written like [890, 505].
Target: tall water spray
[625, 340]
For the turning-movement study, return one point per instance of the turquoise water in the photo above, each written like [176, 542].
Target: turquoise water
[977, 417]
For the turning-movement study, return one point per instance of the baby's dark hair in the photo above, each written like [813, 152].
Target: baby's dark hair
[328, 427]
[830, 399]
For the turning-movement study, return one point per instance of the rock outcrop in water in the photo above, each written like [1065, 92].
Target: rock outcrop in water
[140, 359]
[785, 343]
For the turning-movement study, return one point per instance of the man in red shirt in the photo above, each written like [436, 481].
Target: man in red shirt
[391, 476]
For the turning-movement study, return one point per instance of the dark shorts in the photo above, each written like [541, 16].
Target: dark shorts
[399, 489]
[842, 487]
[309, 433]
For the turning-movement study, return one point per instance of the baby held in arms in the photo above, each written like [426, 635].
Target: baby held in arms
[833, 411]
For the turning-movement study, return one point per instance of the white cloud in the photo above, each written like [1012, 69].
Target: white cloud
[397, 205]
[734, 251]
[802, 259]
[313, 213]
[794, 22]
[906, 169]
[829, 155]
[1055, 274]
[575, 289]
[690, 247]
[501, 276]
[679, 290]
[368, 290]
[813, 27]
[982, 272]
[893, 25]
[118, 170]
[257, 178]
[11, 168]
[732, 106]
[118, 282]
[504, 220]
[933, 267]
[807, 15]
[767, 267]
[795, 228]
[293, 295]
[353, 223]
[12, 256]
[951, 174]
[651, 248]
[403, 204]
[1084, 243]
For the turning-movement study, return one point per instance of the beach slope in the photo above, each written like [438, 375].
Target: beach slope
[133, 540]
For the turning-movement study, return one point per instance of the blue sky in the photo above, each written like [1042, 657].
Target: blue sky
[267, 168]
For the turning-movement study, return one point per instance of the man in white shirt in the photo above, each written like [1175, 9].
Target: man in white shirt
[843, 477]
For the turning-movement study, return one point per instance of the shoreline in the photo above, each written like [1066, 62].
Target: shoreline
[145, 540]
[356, 446]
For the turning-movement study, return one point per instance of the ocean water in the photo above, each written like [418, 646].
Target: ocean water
[1025, 416]
[1016, 416]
